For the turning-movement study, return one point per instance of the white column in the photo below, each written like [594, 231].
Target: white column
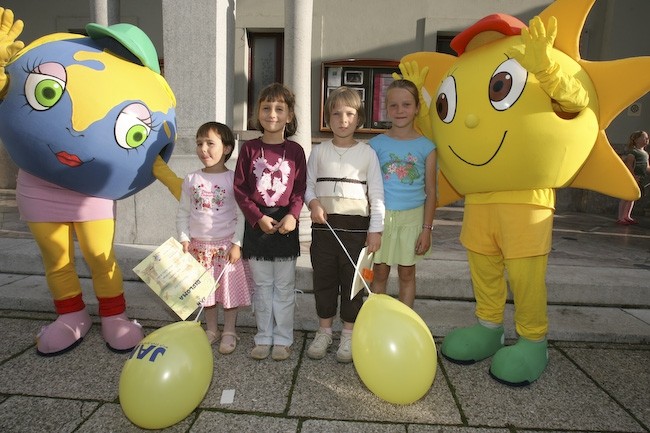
[225, 60]
[105, 12]
[297, 63]
[297, 76]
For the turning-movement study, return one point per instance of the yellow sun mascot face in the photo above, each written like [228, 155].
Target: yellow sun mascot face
[496, 128]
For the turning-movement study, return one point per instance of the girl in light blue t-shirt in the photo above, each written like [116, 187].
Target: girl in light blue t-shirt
[408, 165]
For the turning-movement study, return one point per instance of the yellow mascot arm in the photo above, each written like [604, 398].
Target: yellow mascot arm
[9, 31]
[163, 173]
[411, 71]
[535, 55]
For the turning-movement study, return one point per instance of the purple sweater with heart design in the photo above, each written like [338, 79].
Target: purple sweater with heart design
[270, 176]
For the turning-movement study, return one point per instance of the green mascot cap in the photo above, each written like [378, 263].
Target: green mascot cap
[132, 38]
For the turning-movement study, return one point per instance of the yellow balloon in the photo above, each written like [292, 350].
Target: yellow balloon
[393, 350]
[166, 376]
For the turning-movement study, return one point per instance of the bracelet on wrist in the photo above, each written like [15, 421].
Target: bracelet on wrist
[427, 226]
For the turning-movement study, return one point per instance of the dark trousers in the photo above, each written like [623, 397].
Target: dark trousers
[332, 270]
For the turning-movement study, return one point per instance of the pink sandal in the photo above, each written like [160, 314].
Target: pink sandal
[226, 349]
[212, 336]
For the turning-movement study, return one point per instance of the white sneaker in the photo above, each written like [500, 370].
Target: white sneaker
[318, 347]
[344, 354]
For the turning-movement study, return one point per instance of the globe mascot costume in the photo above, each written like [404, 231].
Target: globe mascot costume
[516, 115]
[85, 119]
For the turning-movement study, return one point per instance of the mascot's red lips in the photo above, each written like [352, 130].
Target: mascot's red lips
[69, 160]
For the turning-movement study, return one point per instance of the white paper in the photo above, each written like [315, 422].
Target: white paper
[227, 396]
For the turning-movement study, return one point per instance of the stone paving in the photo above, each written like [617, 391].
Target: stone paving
[598, 378]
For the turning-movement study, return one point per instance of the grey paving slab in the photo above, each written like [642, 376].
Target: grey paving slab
[28, 414]
[90, 371]
[564, 398]
[230, 422]
[613, 325]
[110, 418]
[327, 389]
[623, 372]
[17, 336]
[451, 429]
[260, 386]
[323, 426]
[641, 314]
[7, 279]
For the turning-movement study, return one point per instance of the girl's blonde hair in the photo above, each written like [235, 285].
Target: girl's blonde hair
[277, 92]
[347, 97]
[406, 85]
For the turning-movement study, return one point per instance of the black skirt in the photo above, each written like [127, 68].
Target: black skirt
[262, 246]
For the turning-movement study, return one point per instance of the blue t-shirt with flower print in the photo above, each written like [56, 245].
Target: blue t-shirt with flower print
[403, 167]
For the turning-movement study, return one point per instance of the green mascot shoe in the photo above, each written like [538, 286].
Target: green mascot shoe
[473, 344]
[520, 364]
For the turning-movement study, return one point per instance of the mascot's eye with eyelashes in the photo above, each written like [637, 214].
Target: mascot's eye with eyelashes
[446, 100]
[45, 85]
[133, 126]
[507, 84]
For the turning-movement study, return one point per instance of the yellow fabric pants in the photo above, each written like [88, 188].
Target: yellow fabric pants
[95, 238]
[527, 281]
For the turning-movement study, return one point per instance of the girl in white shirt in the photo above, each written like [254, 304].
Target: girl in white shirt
[210, 227]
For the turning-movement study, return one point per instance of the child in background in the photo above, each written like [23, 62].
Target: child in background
[210, 227]
[270, 181]
[408, 165]
[344, 189]
[636, 160]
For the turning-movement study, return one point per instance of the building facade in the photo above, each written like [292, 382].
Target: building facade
[216, 54]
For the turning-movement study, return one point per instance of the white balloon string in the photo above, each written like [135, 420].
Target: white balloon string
[214, 287]
[356, 269]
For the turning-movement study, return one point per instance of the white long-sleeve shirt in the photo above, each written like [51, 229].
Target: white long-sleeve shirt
[347, 181]
[207, 208]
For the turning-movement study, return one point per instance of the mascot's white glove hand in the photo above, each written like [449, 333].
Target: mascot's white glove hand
[9, 31]
[411, 71]
[535, 55]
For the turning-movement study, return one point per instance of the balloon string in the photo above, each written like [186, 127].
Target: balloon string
[356, 269]
[214, 287]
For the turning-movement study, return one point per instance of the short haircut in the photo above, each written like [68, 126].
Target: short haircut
[348, 97]
[225, 133]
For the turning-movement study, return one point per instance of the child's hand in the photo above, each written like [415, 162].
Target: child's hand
[186, 246]
[234, 254]
[423, 243]
[318, 214]
[267, 224]
[373, 241]
[286, 224]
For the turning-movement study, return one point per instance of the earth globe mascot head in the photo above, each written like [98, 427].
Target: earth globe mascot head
[90, 114]
[496, 129]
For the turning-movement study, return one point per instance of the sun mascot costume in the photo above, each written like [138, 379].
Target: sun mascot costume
[85, 119]
[516, 115]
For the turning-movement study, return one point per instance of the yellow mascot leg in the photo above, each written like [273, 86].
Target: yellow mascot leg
[57, 252]
[96, 244]
[474, 343]
[523, 362]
